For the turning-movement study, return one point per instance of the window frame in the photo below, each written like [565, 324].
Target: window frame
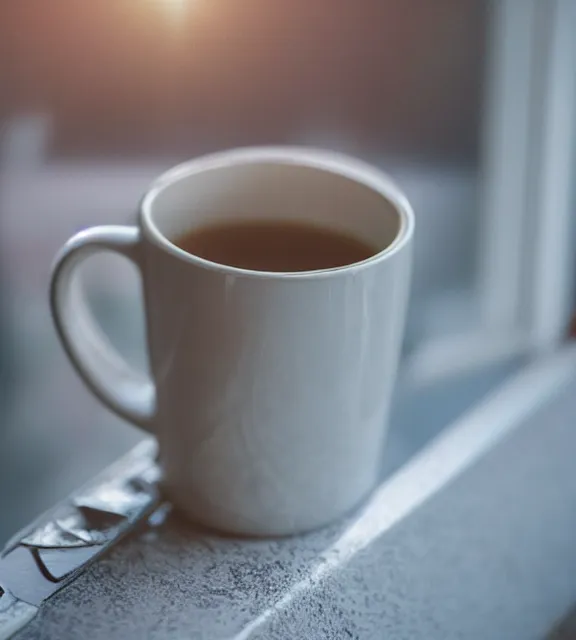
[525, 270]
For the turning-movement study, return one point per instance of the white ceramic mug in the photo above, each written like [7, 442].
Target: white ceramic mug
[269, 392]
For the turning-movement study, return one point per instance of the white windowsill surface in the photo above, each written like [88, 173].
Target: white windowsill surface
[472, 538]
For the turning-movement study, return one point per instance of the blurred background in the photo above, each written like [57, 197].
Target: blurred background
[454, 98]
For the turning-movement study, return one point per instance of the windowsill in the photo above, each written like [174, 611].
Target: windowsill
[429, 555]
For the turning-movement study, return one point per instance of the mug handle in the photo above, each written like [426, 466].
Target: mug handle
[129, 393]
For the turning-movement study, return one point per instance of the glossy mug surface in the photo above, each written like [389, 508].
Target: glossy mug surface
[269, 391]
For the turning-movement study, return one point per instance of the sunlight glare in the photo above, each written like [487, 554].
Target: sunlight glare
[176, 9]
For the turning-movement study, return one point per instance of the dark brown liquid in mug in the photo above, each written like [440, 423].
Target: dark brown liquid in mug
[263, 245]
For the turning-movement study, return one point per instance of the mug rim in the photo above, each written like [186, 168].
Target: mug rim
[337, 163]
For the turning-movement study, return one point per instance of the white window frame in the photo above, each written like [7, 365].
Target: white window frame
[525, 276]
